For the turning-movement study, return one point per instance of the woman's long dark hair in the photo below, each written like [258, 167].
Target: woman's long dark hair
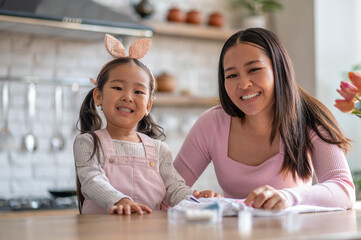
[296, 111]
[90, 120]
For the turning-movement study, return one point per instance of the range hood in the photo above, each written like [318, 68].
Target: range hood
[67, 18]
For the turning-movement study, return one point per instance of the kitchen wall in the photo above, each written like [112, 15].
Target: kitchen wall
[338, 48]
[321, 47]
[193, 63]
[323, 39]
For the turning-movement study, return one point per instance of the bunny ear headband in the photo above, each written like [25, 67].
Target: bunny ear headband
[137, 50]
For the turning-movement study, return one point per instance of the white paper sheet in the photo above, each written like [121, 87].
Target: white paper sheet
[231, 207]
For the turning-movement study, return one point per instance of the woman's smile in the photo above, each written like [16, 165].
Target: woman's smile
[249, 80]
[250, 96]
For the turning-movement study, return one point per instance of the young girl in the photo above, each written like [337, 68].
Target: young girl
[123, 168]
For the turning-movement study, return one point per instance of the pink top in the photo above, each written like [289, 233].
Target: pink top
[208, 141]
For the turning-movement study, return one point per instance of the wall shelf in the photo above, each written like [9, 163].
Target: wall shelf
[172, 100]
[189, 30]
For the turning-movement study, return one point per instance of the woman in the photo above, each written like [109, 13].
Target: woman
[268, 137]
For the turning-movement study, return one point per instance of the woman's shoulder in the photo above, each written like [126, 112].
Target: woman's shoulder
[213, 114]
[314, 136]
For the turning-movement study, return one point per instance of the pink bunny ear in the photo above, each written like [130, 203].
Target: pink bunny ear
[114, 46]
[93, 81]
[139, 48]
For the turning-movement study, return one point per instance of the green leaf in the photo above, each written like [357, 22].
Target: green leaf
[256, 7]
[356, 67]
[357, 112]
[269, 6]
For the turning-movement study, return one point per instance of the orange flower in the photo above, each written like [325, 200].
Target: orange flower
[351, 93]
[346, 95]
[355, 78]
[345, 106]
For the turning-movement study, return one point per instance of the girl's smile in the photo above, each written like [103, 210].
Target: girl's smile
[125, 109]
[125, 98]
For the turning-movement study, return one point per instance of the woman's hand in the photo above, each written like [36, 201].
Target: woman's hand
[126, 206]
[268, 198]
[206, 194]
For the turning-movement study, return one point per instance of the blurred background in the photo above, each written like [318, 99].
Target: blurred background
[46, 60]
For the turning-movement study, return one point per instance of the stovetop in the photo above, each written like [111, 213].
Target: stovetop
[31, 203]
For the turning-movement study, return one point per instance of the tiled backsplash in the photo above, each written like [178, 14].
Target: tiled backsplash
[194, 63]
[32, 174]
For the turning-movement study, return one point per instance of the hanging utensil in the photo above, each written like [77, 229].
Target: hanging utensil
[29, 140]
[6, 138]
[57, 141]
[75, 106]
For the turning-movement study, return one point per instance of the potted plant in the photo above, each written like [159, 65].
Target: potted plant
[255, 11]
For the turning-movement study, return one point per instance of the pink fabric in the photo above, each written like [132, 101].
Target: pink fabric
[137, 50]
[137, 177]
[208, 141]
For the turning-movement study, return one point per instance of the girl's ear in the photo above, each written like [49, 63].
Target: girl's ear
[97, 97]
[149, 106]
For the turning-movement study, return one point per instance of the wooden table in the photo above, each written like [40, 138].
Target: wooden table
[329, 225]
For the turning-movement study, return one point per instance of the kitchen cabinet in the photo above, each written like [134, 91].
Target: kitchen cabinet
[66, 28]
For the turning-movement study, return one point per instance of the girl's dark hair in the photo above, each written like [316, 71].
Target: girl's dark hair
[90, 120]
[296, 111]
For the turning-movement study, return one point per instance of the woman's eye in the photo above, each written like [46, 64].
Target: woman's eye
[231, 76]
[253, 70]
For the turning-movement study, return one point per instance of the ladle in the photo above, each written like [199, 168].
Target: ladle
[57, 141]
[29, 140]
[6, 138]
[75, 106]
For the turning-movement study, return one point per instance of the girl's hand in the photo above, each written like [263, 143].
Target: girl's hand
[126, 206]
[206, 194]
[268, 198]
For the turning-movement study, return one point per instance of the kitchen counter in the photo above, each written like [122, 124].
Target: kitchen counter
[67, 224]
[34, 213]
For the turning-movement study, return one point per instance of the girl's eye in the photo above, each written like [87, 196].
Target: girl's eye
[139, 92]
[231, 76]
[117, 88]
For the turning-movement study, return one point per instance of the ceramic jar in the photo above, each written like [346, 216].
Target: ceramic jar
[144, 8]
[194, 17]
[176, 15]
[165, 83]
[216, 20]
